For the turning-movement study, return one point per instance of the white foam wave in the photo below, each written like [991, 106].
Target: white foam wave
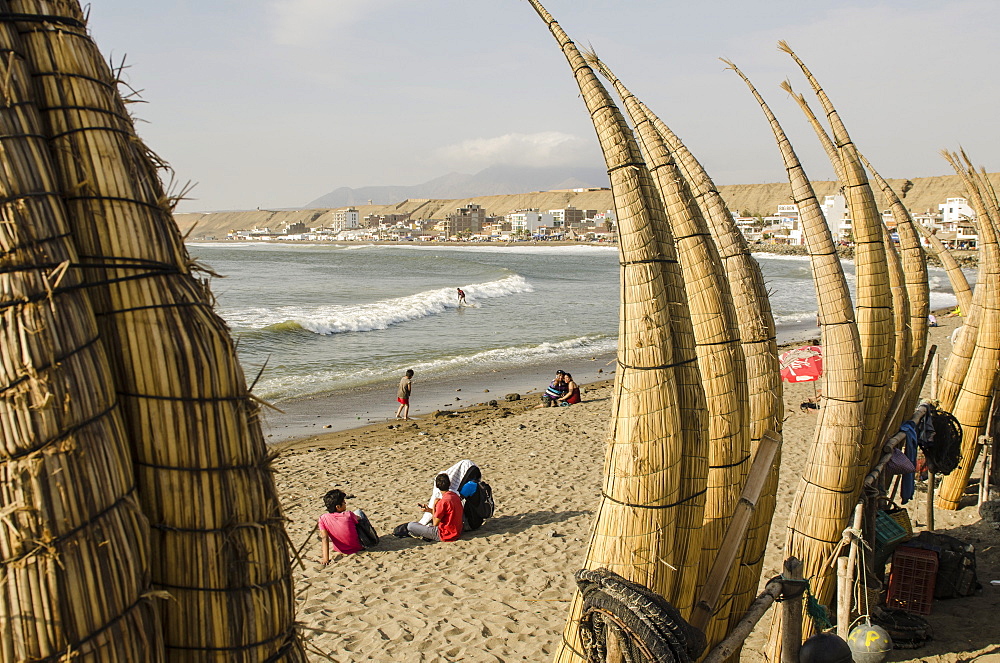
[515, 248]
[376, 315]
[287, 387]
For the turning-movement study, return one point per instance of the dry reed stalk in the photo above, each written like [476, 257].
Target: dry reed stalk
[719, 353]
[218, 544]
[915, 275]
[956, 277]
[635, 524]
[901, 359]
[914, 261]
[757, 337]
[74, 546]
[824, 499]
[694, 422]
[972, 404]
[873, 300]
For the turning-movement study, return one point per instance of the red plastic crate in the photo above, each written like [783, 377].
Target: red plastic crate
[911, 580]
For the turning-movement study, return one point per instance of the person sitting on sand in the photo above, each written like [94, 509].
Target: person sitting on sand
[446, 519]
[459, 474]
[809, 405]
[572, 395]
[556, 390]
[343, 528]
[403, 396]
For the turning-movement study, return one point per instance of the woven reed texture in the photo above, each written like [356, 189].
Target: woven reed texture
[914, 266]
[973, 401]
[218, 545]
[901, 358]
[717, 344]
[873, 300]
[74, 545]
[956, 277]
[635, 527]
[757, 337]
[914, 262]
[823, 500]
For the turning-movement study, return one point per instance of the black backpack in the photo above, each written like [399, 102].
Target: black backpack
[480, 505]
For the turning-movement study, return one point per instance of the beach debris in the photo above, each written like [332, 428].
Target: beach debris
[493, 404]
[512, 397]
[486, 391]
[328, 426]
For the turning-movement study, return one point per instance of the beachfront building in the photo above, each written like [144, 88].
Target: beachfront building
[750, 227]
[385, 220]
[343, 219]
[526, 222]
[954, 210]
[465, 221]
[838, 218]
[570, 216]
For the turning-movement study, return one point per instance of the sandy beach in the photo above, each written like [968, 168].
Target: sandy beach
[501, 593]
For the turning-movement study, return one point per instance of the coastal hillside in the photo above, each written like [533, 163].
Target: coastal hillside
[924, 193]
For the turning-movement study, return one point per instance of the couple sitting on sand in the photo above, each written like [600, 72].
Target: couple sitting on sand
[562, 391]
[445, 516]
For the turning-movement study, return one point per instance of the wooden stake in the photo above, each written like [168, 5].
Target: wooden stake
[935, 367]
[734, 641]
[791, 616]
[929, 514]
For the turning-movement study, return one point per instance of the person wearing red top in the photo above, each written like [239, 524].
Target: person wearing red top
[446, 525]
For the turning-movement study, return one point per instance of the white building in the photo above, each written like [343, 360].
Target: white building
[527, 221]
[838, 217]
[954, 210]
[344, 219]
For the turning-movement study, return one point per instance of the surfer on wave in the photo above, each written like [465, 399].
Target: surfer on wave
[461, 297]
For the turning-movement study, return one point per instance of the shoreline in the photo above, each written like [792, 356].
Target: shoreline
[304, 418]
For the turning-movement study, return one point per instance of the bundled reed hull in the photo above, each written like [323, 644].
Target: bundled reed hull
[823, 499]
[636, 525]
[74, 546]
[191, 424]
[972, 403]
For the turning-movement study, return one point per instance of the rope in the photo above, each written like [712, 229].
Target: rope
[654, 506]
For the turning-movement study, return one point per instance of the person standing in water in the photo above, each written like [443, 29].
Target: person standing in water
[461, 297]
[403, 396]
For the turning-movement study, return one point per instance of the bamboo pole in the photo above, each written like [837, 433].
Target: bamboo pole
[844, 599]
[219, 546]
[734, 641]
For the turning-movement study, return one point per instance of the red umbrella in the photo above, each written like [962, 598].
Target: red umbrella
[802, 364]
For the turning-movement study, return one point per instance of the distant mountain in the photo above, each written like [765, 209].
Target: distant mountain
[493, 181]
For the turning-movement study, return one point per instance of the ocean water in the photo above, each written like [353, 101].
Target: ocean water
[320, 319]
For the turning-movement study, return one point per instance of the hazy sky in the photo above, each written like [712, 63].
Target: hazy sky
[272, 103]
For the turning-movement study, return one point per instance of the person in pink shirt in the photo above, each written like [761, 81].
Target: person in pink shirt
[446, 524]
[342, 528]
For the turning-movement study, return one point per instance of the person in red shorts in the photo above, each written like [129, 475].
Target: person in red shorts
[446, 525]
[403, 395]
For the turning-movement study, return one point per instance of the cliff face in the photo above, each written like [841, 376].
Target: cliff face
[925, 194]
